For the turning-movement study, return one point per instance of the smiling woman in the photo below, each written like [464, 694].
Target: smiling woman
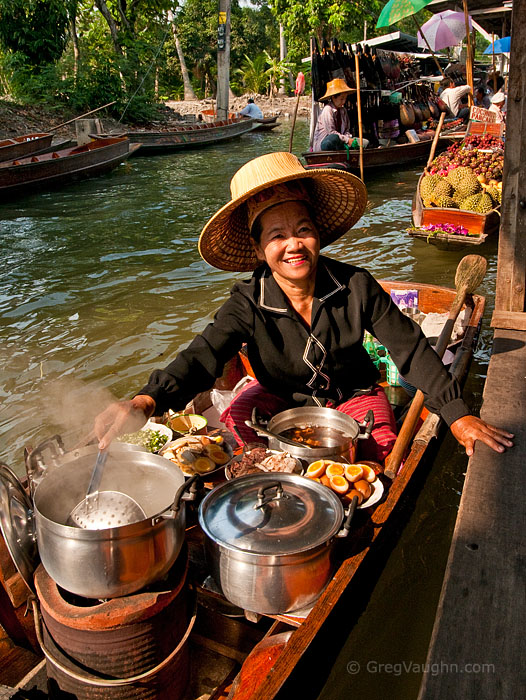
[301, 316]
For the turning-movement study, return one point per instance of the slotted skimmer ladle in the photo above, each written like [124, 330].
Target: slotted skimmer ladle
[104, 509]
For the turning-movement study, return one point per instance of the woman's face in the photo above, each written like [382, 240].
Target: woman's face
[289, 244]
[339, 100]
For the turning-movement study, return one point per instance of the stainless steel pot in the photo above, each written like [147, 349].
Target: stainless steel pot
[269, 541]
[342, 444]
[121, 559]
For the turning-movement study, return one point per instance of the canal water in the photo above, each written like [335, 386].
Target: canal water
[102, 282]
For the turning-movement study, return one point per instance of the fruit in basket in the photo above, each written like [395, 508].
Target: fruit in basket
[445, 202]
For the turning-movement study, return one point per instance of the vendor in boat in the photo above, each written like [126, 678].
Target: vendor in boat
[453, 95]
[302, 316]
[333, 128]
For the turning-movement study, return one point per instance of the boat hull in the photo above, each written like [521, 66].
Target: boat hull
[22, 146]
[187, 137]
[62, 167]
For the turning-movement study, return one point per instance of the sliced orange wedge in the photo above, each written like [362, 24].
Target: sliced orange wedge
[339, 484]
[354, 472]
[334, 469]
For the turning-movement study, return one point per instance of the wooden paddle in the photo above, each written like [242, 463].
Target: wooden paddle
[470, 273]
[435, 139]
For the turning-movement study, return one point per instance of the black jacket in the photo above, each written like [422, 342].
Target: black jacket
[306, 367]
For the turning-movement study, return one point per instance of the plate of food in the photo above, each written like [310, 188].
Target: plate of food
[198, 454]
[349, 480]
[151, 437]
[260, 459]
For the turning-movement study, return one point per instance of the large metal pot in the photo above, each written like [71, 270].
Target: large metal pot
[341, 432]
[122, 559]
[269, 541]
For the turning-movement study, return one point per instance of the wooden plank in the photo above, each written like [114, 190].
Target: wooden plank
[478, 644]
[511, 320]
[511, 269]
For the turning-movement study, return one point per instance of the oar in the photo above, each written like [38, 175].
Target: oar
[435, 139]
[470, 273]
[82, 115]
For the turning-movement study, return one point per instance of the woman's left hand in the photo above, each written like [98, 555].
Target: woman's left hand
[468, 429]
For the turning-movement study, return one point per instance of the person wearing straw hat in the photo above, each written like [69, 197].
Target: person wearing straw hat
[301, 316]
[333, 128]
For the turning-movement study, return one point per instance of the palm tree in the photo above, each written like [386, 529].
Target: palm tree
[253, 74]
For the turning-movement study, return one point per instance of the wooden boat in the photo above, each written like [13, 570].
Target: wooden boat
[186, 137]
[250, 656]
[61, 167]
[267, 123]
[480, 226]
[21, 146]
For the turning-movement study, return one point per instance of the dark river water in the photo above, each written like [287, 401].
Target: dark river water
[102, 282]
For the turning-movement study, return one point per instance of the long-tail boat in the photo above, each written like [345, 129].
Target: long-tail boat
[188, 136]
[56, 168]
[243, 655]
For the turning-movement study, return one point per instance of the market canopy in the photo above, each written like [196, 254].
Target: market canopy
[499, 46]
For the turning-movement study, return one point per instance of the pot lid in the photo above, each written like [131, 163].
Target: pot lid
[17, 524]
[271, 514]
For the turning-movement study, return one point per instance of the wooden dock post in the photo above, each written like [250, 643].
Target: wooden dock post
[477, 647]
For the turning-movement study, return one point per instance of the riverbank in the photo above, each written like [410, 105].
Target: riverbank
[17, 119]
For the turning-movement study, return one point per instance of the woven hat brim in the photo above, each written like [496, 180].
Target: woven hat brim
[338, 201]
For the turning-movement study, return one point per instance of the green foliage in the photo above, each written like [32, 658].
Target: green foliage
[254, 75]
[37, 29]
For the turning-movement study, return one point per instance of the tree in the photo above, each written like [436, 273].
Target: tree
[37, 29]
[322, 19]
[189, 93]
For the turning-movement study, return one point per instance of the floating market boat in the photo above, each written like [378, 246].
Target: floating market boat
[220, 649]
[186, 137]
[25, 175]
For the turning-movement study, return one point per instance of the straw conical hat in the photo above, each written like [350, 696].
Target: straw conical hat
[337, 199]
[336, 87]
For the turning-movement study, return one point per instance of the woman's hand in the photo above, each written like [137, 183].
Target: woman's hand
[123, 417]
[468, 429]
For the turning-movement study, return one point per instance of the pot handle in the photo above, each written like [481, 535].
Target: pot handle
[368, 424]
[347, 522]
[191, 486]
[262, 500]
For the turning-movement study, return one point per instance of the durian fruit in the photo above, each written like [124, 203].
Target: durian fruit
[456, 175]
[429, 202]
[445, 202]
[485, 204]
[495, 194]
[443, 188]
[427, 185]
[470, 203]
[468, 186]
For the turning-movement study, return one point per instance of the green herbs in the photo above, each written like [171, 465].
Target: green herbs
[152, 440]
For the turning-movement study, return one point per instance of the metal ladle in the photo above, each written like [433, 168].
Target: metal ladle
[104, 509]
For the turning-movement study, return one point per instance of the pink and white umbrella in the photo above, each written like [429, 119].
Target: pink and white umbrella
[444, 29]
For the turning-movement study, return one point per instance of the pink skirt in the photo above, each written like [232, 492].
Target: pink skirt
[375, 448]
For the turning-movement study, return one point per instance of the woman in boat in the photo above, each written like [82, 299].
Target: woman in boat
[301, 315]
[333, 128]
[498, 101]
